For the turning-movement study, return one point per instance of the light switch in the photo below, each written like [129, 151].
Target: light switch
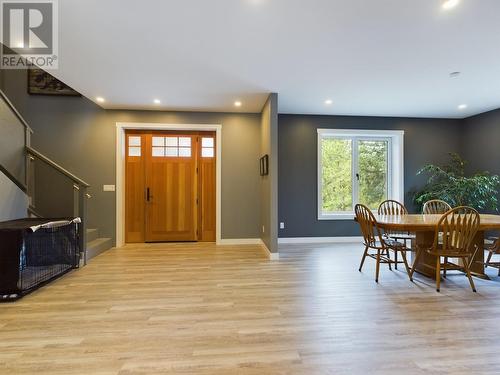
[108, 187]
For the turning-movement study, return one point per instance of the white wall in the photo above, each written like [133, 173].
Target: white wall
[13, 201]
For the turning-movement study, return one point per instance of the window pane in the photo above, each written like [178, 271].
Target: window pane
[134, 151]
[134, 140]
[373, 173]
[158, 141]
[158, 151]
[185, 152]
[184, 142]
[171, 141]
[336, 175]
[171, 151]
[207, 142]
[207, 152]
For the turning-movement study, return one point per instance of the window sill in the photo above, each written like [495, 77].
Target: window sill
[346, 216]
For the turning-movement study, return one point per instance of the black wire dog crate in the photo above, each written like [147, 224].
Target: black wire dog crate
[34, 252]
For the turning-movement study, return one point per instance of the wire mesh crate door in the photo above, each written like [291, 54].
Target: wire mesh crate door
[47, 253]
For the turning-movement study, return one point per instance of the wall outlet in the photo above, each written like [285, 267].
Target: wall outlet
[282, 225]
[108, 187]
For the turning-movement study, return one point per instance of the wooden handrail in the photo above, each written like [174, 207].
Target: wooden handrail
[56, 166]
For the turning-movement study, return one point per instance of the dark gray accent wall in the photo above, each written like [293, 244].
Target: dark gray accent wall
[269, 183]
[80, 136]
[482, 142]
[426, 140]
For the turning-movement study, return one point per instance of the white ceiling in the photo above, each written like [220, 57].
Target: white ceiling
[383, 57]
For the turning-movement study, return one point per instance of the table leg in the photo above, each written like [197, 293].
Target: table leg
[427, 262]
[477, 266]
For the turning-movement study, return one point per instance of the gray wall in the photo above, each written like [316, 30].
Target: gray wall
[426, 140]
[12, 141]
[482, 142]
[13, 201]
[80, 136]
[269, 183]
[240, 167]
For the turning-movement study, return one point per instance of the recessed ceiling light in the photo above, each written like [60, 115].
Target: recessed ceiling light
[157, 101]
[100, 99]
[462, 106]
[454, 74]
[237, 103]
[328, 102]
[449, 4]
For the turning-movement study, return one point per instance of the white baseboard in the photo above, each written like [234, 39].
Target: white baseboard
[240, 241]
[271, 256]
[306, 240]
[274, 256]
[250, 241]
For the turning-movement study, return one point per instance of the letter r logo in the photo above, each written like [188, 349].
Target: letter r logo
[27, 27]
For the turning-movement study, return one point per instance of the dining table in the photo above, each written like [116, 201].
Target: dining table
[424, 228]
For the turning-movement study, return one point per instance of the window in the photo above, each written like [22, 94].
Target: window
[207, 148]
[134, 145]
[172, 147]
[358, 166]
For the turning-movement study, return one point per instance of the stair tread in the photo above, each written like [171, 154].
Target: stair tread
[92, 234]
[97, 242]
[98, 246]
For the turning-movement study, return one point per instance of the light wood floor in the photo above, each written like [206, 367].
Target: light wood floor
[202, 309]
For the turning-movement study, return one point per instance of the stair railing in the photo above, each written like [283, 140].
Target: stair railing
[56, 192]
[52, 190]
[16, 138]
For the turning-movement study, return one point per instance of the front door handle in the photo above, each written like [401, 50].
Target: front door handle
[148, 195]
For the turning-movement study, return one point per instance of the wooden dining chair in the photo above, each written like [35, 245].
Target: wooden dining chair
[493, 248]
[435, 206]
[453, 239]
[395, 208]
[392, 207]
[377, 246]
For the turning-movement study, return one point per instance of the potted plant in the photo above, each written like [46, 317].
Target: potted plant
[450, 184]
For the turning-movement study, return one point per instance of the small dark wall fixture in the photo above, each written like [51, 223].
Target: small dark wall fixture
[264, 165]
[42, 83]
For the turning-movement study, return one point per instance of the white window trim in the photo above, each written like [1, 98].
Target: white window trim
[396, 164]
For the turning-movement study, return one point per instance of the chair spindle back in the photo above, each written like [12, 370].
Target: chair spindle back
[458, 227]
[436, 206]
[368, 223]
[392, 207]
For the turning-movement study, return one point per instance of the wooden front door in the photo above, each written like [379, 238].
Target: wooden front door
[170, 182]
[171, 188]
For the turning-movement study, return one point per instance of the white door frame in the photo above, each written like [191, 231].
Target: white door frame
[120, 168]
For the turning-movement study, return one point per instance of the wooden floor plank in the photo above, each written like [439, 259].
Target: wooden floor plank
[206, 309]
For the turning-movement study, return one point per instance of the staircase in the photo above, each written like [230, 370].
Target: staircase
[95, 244]
[46, 189]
